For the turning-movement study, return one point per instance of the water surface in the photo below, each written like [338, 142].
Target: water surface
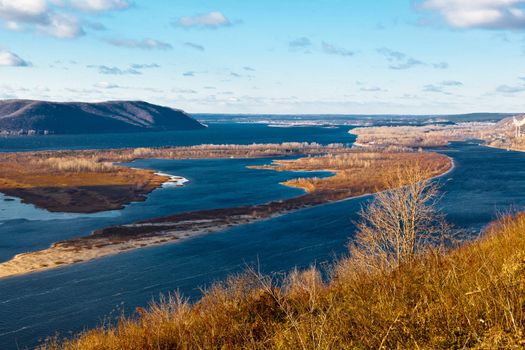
[216, 133]
[485, 182]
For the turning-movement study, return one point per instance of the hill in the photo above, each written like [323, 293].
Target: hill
[472, 296]
[41, 117]
[508, 123]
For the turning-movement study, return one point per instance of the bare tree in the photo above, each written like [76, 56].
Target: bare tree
[400, 221]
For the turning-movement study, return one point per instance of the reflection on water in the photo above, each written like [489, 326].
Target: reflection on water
[12, 208]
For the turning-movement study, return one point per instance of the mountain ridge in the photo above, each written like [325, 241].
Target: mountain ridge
[43, 117]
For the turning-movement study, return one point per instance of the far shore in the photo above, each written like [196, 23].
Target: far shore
[495, 135]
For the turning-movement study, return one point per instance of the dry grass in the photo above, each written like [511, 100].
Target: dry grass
[359, 172]
[88, 181]
[421, 136]
[69, 183]
[74, 165]
[208, 151]
[111, 240]
[508, 142]
[470, 297]
[499, 135]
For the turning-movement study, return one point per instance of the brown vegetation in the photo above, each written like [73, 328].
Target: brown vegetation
[73, 184]
[428, 136]
[87, 181]
[357, 173]
[509, 142]
[499, 135]
[401, 223]
[465, 297]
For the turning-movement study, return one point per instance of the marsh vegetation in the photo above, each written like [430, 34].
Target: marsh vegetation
[92, 181]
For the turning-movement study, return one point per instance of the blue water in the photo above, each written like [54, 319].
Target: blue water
[212, 184]
[214, 134]
[485, 181]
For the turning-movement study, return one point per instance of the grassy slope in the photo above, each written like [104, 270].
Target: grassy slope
[470, 297]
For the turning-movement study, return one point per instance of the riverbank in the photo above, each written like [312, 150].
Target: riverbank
[91, 181]
[74, 185]
[427, 136]
[497, 135]
[357, 174]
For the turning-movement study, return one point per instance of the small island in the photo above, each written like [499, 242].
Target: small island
[91, 181]
[356, 173]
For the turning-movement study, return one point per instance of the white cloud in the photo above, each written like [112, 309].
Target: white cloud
[440, 65]
[441, 87]
[133, 69]
[16, 13]
[9, 59]
[100, 5]
[451, 83]
[109, 70]
[54, 17]
[372, 89]
[334, 50]
[12, 26]
[194, 46]
[398, 60]
[491, 14]
[106, 85]
[144, 65]
[61, 26]
[209, 20]
[300, 43]
[506, 89]
[401, 61]
[145, 44]
[23, 10]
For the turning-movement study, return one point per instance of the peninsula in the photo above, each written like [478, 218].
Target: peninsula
[90, 181]
[357, 173]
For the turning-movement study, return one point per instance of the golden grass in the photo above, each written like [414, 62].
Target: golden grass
[74, 165]
[362, 173]
[88, 181]
[359, 172]
[472, 296]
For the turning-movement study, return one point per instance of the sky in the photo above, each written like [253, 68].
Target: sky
[271, 56]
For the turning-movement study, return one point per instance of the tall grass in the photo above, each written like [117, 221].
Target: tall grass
[359, 171]
[77, 165]
[472, 296]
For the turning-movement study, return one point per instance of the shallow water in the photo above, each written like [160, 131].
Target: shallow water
[485, 181]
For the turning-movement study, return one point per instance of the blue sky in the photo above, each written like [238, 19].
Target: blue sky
[272, 56]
